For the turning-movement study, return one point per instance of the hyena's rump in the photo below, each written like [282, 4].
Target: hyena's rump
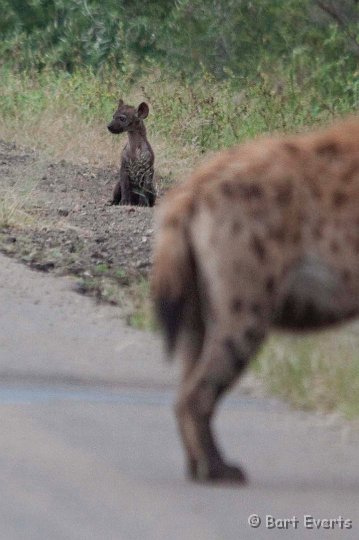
[263, 235]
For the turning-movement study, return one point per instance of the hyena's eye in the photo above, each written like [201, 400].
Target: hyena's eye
[122, 117]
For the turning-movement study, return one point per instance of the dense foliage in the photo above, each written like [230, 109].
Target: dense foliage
[228, 36]
[215, 72]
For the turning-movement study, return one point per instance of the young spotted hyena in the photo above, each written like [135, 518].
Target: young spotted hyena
[263, 235]
[136, 185]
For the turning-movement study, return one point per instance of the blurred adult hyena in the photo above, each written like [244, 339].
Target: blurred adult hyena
[136, 184]
[263, 235]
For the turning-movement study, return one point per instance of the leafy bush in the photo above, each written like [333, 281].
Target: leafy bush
[234, 36]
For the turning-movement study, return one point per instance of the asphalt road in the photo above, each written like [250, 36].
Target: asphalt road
[89, 448]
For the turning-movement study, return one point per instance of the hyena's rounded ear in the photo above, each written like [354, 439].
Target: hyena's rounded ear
[142, 110]
[120, 102]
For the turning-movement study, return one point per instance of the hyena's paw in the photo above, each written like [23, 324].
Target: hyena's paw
[218, 471]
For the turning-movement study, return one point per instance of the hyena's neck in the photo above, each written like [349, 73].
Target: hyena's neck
[138, 138]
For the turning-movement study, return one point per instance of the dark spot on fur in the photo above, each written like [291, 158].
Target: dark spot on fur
[227, 189]
[239, 360]
[284, 194]
[315, 191]
[258, 247]
[318, 231]
[291, 148]
[270, 284]
[346, 275]
[278, 234]
[255, 308]
[236, 305]
[334, 246]
[339, 198]
[352, 170]
[250, 191]
[328, 149]
[253, 335]
[297, 236]
[288, 310]
[236, 227]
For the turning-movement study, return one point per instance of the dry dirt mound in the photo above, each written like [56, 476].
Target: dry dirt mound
[57, 217]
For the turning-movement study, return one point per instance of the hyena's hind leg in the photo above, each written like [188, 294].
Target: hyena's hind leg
[189, 347]
[224, 356]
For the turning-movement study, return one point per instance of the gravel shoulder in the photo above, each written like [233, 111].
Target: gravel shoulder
[56, 217]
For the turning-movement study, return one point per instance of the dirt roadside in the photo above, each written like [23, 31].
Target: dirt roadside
[56, 217]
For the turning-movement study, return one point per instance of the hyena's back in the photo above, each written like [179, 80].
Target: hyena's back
[266, 234]
[277, 215]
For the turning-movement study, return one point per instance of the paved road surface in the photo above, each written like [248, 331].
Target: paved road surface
[88, 444]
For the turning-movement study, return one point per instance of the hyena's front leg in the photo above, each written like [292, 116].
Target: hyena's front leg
[116, 198]
[224, 357]
[122, 191]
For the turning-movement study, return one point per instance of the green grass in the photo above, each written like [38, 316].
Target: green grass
[133, 297]
[141, 314]
[67, 114]
[318, 372]
[9, 210]
[12, 207]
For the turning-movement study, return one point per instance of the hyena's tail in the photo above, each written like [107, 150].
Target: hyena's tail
[174, 273]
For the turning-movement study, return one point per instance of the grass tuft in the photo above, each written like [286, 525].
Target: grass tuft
[318, 372]
[12, 209]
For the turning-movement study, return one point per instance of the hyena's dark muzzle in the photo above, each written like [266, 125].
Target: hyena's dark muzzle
[113, 128]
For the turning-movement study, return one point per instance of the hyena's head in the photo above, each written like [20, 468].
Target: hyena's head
[127, 118]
